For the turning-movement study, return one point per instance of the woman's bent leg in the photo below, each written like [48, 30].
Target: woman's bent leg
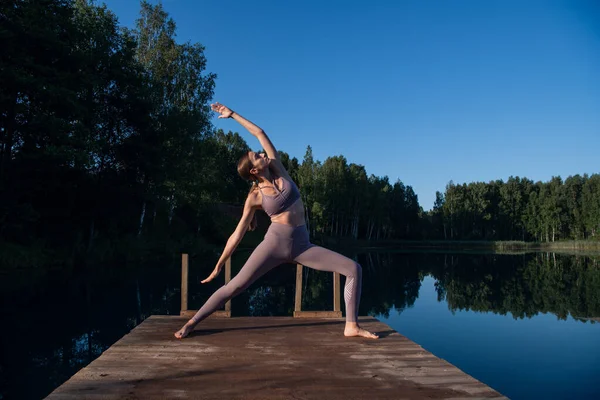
[322, 259]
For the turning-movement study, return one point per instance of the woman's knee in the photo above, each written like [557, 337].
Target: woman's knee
[239, 289]
[232, 289]
[355, 270]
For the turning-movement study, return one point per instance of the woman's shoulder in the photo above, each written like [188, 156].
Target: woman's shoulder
[254, 198]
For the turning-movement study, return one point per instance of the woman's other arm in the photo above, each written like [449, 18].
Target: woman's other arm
[237, 235]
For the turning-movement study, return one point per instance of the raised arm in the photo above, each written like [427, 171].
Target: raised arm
[236, 237]
[257, 132]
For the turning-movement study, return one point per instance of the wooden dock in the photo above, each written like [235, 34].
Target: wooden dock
[268, 358]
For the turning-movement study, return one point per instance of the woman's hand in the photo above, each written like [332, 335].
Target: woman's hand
[215, 273]
[221, 109]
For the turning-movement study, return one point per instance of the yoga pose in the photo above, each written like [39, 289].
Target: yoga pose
[287, 239]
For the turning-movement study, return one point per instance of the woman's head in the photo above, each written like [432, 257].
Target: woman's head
[251, 164]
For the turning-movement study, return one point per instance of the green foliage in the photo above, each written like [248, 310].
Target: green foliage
[107, 153]
[103, 138]
[519, 209]
[14, 256]
[341, 200]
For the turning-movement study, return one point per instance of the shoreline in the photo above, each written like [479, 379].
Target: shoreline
[508, 247]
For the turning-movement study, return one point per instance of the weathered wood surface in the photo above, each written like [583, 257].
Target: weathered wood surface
[267, 358]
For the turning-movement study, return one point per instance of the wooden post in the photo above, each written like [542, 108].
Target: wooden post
[184, 282]
[227, 279]
[337, 311]
[336, 292]
[298, 305]
[184, 291]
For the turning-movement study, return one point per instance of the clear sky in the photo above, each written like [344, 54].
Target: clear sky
[421, 91]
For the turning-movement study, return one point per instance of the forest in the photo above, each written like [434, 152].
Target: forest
[108, 153]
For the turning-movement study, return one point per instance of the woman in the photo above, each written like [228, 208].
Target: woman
[286, 240]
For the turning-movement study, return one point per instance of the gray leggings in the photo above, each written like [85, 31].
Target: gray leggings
[285, 244]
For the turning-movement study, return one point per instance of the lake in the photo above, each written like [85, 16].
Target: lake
[522, 324]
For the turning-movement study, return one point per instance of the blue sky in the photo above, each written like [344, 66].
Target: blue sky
[421, 91]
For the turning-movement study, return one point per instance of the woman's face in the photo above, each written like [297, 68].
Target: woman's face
[260, 161]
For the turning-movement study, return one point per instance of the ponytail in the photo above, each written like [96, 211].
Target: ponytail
[254, 222]
[243, 167]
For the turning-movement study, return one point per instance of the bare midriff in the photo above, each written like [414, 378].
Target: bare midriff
[293, 216]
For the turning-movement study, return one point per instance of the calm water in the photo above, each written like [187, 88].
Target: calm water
[517, 323]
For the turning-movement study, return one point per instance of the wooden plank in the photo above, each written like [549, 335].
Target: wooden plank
[317, 314]
[268, 358]
[216, 314]
[298, 303]
[336, 292]
[184, 282]
[227, 279]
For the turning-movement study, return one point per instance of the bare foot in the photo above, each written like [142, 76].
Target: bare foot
[183, 332]
[358, 331]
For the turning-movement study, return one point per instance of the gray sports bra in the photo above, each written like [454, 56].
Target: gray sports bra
[283, 200]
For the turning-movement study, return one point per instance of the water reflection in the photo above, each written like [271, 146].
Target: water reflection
[53, 331]
[520, 285]
[48, 335]
[523, 286]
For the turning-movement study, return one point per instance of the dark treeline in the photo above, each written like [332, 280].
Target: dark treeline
[519, 209]
[107, 153]
[106, 141]
[341, 199]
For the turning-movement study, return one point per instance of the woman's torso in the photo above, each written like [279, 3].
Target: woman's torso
[282, 202]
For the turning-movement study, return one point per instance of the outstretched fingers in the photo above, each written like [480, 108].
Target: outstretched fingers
[210, 278]
[214, 274]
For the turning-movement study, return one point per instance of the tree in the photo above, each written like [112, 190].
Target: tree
[591, 205]
[181, 92]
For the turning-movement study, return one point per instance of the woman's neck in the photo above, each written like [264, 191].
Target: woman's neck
[266, 177]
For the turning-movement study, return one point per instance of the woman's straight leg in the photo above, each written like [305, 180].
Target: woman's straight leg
[261, 261]
[268, 254]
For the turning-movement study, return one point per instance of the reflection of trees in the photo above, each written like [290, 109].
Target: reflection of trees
[389, 280]
[521, 285]
[73, 322]
[81, 317]
[317, 290]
